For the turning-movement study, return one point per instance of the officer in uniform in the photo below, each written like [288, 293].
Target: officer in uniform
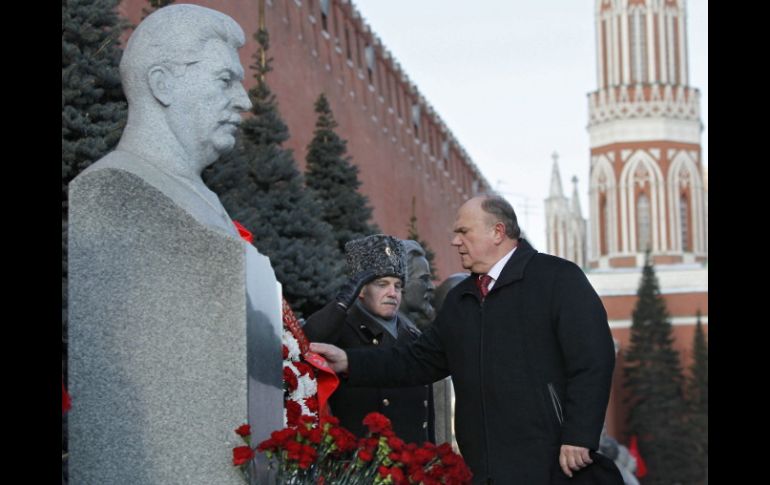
[365, 313]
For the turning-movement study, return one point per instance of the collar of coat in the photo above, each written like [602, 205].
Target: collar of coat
[364, 325]
[512, 271]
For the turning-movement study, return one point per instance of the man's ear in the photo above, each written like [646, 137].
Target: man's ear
[499, 235]
[161, 84]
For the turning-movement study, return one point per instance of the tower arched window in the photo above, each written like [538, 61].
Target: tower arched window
[684, 218]
[604, 225]
[643, 222]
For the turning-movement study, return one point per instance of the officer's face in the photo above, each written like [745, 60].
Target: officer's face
[382, 296]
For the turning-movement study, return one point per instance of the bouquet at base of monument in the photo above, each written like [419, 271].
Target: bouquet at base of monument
[242, 455]
[328, 454]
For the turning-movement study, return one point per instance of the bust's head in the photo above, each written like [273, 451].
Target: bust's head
[418, 291]
[182, 76]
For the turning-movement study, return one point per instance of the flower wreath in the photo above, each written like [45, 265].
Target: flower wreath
[308, 381]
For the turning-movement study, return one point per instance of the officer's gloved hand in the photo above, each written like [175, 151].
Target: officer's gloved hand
[349, 291]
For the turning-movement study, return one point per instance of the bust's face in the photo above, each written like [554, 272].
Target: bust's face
[418, 297]
[206, 112]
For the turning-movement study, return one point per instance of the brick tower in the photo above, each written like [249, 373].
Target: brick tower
[646, 183]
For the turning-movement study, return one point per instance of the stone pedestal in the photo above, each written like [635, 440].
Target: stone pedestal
[443, 394]
[159, 318]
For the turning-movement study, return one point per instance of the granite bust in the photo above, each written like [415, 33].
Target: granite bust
[417, 303]
[174, 320]
[183, 81]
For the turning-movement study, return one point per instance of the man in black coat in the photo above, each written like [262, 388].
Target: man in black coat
[365, 314]
[530, 355]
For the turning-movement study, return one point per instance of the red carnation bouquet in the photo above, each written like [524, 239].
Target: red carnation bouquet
[314, 449]
[328, 454]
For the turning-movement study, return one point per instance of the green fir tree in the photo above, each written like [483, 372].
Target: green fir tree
[698, 401]
[334, 180]
[260, 186]
[654, 377]
[415, 236]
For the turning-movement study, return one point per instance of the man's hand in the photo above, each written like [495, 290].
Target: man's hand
[335, 356]
[573, 458]
[348, 293]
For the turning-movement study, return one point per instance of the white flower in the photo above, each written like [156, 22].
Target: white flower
[291, 343]
[306, 387]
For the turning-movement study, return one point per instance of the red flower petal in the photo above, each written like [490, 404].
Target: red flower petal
[242, 454]
[243, 232]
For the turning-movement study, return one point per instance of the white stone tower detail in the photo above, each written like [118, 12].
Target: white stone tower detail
[565, 226]
[646, 185]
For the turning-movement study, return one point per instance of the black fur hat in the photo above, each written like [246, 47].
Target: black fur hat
[380, 253]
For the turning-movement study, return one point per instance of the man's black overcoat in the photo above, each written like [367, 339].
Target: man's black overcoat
[531, 365]
[410, 409]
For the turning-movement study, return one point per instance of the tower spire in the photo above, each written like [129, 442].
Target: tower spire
[555, 178]
[575, 202]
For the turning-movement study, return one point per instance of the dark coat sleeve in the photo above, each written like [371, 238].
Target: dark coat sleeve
[326, 324]
[422, 361]
[589, 355]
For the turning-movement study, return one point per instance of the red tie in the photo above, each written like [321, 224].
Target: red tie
[483, 284]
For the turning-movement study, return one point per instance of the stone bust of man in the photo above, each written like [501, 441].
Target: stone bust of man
[173, 318]
[183, 80]
[417, 303]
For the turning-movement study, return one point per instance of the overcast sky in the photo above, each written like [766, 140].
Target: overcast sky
[510, 78]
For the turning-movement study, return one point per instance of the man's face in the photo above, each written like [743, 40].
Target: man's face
[382, 296]
[205, 113]
[418, 297]
[475, 237]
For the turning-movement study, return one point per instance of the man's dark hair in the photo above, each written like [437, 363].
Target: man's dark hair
[502, 211]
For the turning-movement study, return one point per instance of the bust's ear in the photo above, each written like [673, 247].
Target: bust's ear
[161, 84]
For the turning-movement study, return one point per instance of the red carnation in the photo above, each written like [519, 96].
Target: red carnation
[243, 430]
[243, 232]
[344, 439]
[294, 450]
[242, 454]
[406, 457]
[312, 404]
[315, 435]
[377, 422]
[293, 412]
[290, 379]
[303, 368]
[418, 476]
[365, 455]
[395, 443]
[332, 420]
[444, 449]
[423, 456]
[398, 475]
[306, 421]
[283, 436]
